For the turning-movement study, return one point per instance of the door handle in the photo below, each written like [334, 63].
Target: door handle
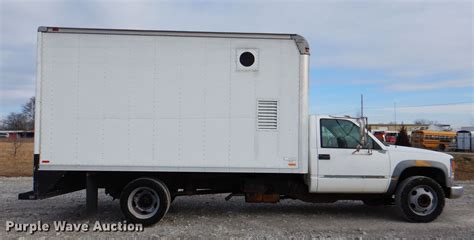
[324, 157]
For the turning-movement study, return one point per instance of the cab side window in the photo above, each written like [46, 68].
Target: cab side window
[337, 133]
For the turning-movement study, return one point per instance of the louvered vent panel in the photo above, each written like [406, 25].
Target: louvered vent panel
[267, 115]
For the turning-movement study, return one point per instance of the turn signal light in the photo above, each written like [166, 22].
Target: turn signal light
[453, 166]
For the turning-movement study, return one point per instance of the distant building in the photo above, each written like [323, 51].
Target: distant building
[397, 127]
[470, 128]
[15, 134]
[440, 127]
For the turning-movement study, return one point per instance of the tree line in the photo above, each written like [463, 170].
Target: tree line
[24, 120]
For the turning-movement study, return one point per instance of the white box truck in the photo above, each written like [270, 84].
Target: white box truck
[154, 115]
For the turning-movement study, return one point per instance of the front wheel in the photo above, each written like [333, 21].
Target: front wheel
[145, 201]
[420, 199]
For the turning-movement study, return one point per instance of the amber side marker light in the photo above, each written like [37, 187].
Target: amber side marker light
[453, 166]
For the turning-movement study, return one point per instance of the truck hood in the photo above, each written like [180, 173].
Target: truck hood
[399, 153]
[394, 148]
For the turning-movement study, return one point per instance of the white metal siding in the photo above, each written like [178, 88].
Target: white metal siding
[465, 140]
[167, 103]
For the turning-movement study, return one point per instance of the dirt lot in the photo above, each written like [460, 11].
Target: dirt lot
[211, 217]
[19, 164]
[465, 166]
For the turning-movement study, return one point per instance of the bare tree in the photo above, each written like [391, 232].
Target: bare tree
[29, 112]
[17, 142]
[15, 121]
[23, 121]
[402, 138]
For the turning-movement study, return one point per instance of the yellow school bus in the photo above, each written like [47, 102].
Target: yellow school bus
[436, 140]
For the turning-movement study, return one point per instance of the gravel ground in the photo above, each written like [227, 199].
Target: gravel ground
[211, 217]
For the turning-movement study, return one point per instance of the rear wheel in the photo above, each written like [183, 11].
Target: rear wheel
[145, 201]
[420, 199]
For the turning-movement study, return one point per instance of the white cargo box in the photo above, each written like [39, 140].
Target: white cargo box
[126, 100]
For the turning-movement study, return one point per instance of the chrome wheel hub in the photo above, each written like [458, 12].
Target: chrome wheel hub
[422, 200]
[143, 202]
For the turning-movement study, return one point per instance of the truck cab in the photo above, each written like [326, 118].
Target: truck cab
[338, 162]
[344, 161]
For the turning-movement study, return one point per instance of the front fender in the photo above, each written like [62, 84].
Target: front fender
[406, 164]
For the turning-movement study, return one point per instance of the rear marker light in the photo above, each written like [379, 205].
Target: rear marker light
[44, 161]
[55, 29]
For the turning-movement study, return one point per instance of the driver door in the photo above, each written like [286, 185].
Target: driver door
[343, 169]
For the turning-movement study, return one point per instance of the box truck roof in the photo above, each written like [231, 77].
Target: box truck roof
[300, 41]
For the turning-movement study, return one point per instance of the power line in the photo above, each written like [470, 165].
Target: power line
[438, 104]
[411, 106]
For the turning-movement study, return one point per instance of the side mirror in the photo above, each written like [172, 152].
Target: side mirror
[362, 126]
[357, 149]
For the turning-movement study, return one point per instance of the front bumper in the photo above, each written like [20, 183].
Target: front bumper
[456, 191]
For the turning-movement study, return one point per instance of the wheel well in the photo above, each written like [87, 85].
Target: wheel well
[431, 172]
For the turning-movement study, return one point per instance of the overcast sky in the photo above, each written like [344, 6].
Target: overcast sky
[417, 54]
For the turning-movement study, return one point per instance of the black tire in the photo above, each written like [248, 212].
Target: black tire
[419, 199]
[145, 201]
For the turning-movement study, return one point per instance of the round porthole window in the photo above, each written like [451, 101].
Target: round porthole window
[247, 59]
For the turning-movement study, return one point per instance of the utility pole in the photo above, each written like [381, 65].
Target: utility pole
[362, 105]
[395, 114]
